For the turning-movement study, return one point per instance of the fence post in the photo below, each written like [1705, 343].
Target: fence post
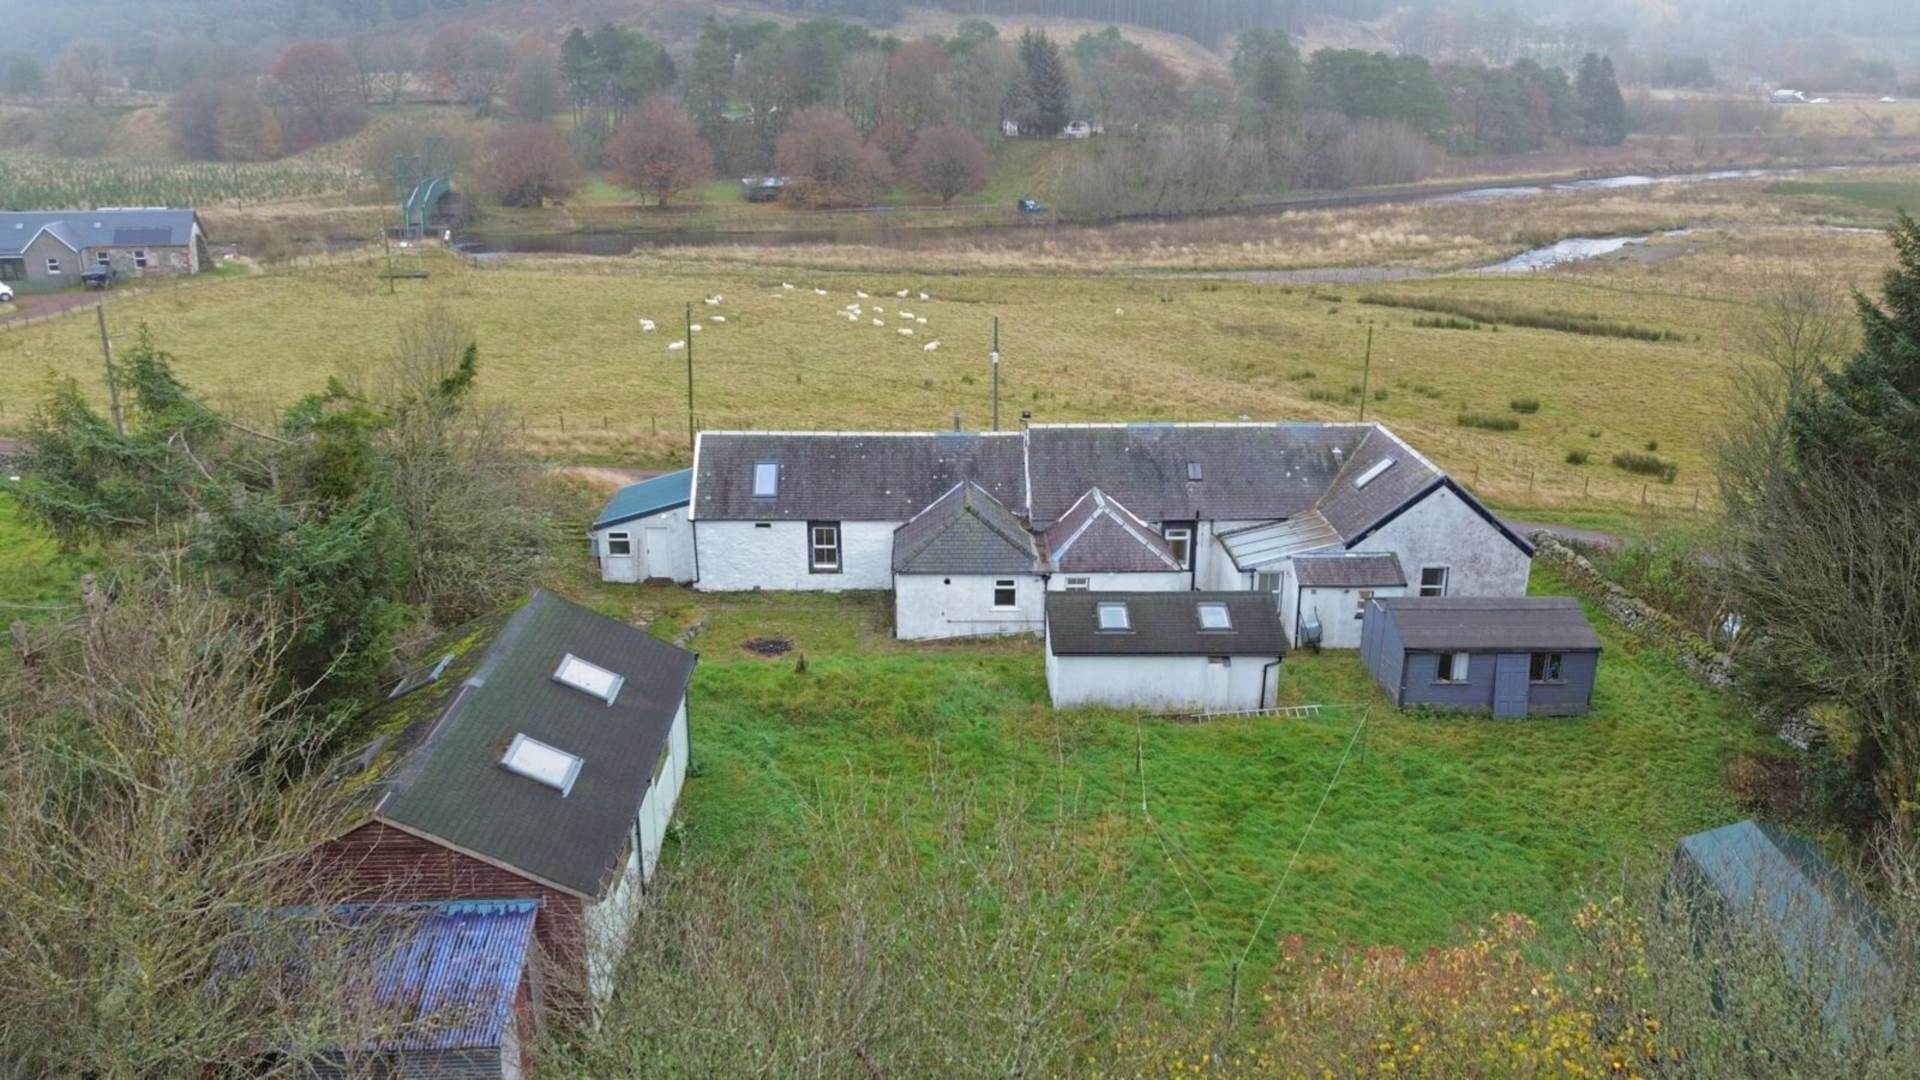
[563, 423]
[1643, 494]
[1530, 470]
[1696, 499]
[1586, 485]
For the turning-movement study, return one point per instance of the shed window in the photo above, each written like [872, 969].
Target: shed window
[1180, 539]
[1453, 667]
[1003, 594]
[1214, 616]
[619, 543]
[1220, 661]
[1078, 584]
[766, 479]
[1114, 617]
[53, 265]
[1544, 667]
[1433, 581]
[823, 547]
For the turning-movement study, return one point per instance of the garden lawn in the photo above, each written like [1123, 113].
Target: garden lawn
[1435, 822]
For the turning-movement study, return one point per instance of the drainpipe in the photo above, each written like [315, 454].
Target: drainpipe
[1263, 682]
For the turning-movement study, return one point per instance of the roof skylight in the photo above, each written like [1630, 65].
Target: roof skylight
[419, 677]
[589, 678]
[1193, 471]
[543, 764]
[1373, 472]
[1113, 616]
[1214, 616]
[766, 479]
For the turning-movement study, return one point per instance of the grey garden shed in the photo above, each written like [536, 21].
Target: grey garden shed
[1511, 656]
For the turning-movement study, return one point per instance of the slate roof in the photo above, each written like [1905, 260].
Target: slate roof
[81, 229]
[441, 775]
[965, 531]
[1098, 535]
[1351, 510]
[1259, 546]
[1249, 472]
[1491, 623]
[1164, 624]
[452, 969]
[1349, 571]
[646, 498]
[850, 476]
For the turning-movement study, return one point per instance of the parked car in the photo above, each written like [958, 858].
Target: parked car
[6, 293]
[1032, 206]
[99, 277]
[762, 188]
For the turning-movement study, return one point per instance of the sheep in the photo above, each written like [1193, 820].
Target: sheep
[905, 314]
[924, 296]
[902, 294]
[1118, 311]
[676, 346]
[879, 322]
[696, 328]
[788, 286]
[906, 331]
[922, 320]
[646, 326]
[719, 318]
[819, 292]
[861, 295]
[931, 345]
[879, 309]
[710, 301]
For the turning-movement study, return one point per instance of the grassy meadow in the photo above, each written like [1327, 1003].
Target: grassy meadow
[1435, 823]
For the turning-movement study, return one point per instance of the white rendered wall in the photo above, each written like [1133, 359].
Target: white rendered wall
[1156, 683]
[609, 921]
[741, 555]
[1337, 608]
[930, 606]
[674, 554]
[1442, 530]
[1172, 581]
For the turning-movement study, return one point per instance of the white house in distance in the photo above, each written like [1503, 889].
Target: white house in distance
[1163, 651]
[971, 530]
[642, 533]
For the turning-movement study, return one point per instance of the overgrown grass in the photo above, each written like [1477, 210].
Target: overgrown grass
[1578, 457]
[1641, 464]
[1888, 195]
[1488, 421]
[1528, 405]
[1496, 313]
[37, 579]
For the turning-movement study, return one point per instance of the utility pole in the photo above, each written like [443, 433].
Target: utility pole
[689, 377]
[995, 354]
[386, 236]
[113, 385]
[1366, 372]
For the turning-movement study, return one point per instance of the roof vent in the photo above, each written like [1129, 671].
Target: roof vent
[529, 757]
[1373, 472]
[589, 678]
[1193, 471]
[766, 479]
[1214, 616]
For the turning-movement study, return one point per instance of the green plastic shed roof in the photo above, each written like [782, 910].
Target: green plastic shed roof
[669, 491]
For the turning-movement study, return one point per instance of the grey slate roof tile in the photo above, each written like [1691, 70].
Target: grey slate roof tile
[965, 531]
[1097, 535]
[1164, 624]
[850, 477]
[1519, 623]
[80, 229]
[1349, 571]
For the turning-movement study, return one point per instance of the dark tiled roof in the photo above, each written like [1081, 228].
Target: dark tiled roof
[1519, 622]
[1353, 510]
[1348, 571]
[1249, 472]
[850, 477]
[441, 775]
[965, 531]
[648, 497]
[1097, 535]
[1164, 624]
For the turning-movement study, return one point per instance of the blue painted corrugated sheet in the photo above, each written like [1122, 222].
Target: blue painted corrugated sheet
[646, 498]
[458, 971]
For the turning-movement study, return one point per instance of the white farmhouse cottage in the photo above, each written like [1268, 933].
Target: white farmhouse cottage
[971, 529]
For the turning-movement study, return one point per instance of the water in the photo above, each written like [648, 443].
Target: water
[1606, 183]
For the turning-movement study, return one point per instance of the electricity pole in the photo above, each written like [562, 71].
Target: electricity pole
[113, 385]
[689, 377]
[995, 354]
[1366, 372]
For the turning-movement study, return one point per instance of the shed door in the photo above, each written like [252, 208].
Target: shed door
[659, 546]
[1510, 685]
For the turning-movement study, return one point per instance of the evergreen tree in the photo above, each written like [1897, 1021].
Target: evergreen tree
[1603, 112]
[710, 80]
[1043, 105]
[1266, 75]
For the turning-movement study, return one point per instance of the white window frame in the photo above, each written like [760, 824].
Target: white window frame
[619, 538]
[1446, 579]
[1226, 614]
[540, 769]
[101, 258]
[139, 258]
[1079, 584]
[816, 546]
[53, 266]
[1459, 668]
[1180, 538]
[768, 471]
[1012, 588]
[1102, 608]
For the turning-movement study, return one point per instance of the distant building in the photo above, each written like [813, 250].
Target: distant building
[1511, 655]
[1168, 652]
[55, 247]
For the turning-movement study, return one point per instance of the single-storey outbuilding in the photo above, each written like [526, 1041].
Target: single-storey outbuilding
[965, 567]
[643, 534]
[1169, 652]
[1328, 603]
[1511, 656]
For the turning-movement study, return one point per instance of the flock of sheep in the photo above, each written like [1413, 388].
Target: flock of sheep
[855, 313]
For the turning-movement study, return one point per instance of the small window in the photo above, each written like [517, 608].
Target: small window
[1214, 616]
[619, 544]
[419, 677]
[535, 760]
[1078, 584]
[823, 547]
[1220, 661]
[1193, 471]
[1453, 667]
[588, 678]
[1114, 617]
[139, 259]
[1373, 472]
[766, 479]
[1180, 539]
[1544, 667]
[1433, 581]
[1004, 594]
[53, 265]
[100, 258]
[1267, 583]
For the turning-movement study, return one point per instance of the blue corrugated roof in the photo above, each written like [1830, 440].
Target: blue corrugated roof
[646, 498]
[453, 967]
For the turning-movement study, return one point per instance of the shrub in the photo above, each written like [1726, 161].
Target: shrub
[1495, 313]
[1646, 465]
[1653, 445]
[1445, 322]
[1524, 405]
[1300, 376]
[1577, 457]
[659, 152]
[1380, 394]
[827, 163]
[1488, 421]
[1317, 394]
[527, 164]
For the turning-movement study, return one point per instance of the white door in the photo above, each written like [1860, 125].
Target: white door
[617, 559]
[1219, 685]
[657, 541]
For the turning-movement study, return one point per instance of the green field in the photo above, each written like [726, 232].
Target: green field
[1878, 195]
[1435, 824]
[560, 342]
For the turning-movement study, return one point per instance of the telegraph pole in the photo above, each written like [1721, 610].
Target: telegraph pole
[1366, 372]
[689, 377]
[113, 385]
[995, 354]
